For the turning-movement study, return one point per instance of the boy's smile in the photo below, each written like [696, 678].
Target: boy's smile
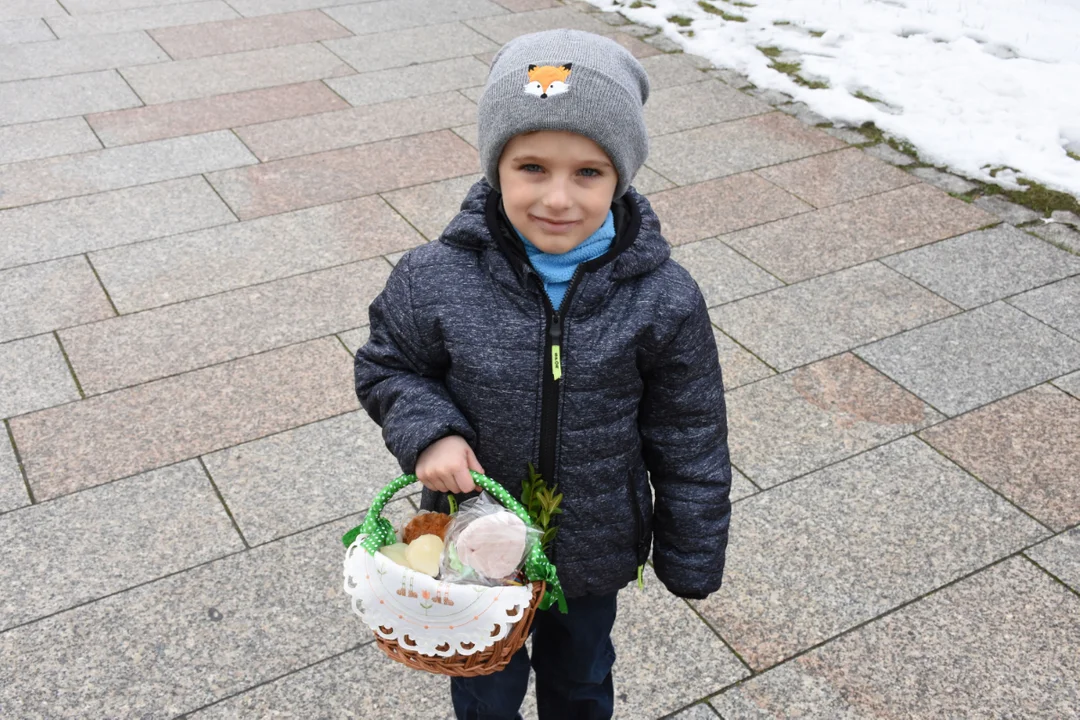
[557, 188]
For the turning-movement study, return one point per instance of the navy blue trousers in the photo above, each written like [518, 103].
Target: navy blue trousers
[572, 656]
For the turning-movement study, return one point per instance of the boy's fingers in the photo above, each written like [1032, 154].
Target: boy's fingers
[474, 464]
[464, 480]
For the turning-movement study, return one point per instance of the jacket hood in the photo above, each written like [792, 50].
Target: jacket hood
[638, 248]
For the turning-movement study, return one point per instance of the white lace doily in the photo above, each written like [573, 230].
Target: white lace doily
[426, 615]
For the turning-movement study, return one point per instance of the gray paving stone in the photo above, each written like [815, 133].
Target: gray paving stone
[47, 98]
[666, 71]
[430, 208]
[848, 135]
[46, 139]
[33, 375]
[684, 107]
[730, 77]
[506, 27]
[733, 147]
[409, 47]
[722, 274]
[945, 181]
[220, 74]
[648, 181]
[986, 265]
[1066, 216]
[133, 349]
[804, 114]
[17, 9]
[800, 323]
[889, 155]
[70, 227]
[355, 685]
[12, 486]
[468, 133]
[355, 338]
[473, 93]
[345, 128]
[41, 298]
[303, 477]
[114, 168]
[1057, 305]
[25, 30]
[962, 362]
[145, 275]
[77, 55]
[142, 18]
[1009, 212]
[376, 17]
[773, 97]
[1060, 555]
[854, 232]
[56, 555]
[701, 711]
[255, 8]
[177, 644]
[411, 81]
[1070, 384]
[972, 649]
[817, 556]
[663, 43]
[103, 438]
[1060, 235]
[738, 365]
[791, 424]
[740, 486]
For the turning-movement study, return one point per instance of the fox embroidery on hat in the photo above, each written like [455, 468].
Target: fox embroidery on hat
[547, 80]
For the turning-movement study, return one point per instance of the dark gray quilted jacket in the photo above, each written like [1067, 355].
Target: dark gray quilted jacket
[461, 343]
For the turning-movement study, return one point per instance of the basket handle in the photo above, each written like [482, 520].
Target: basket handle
[379, 532]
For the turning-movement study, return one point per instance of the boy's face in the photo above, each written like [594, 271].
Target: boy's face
[557, 187]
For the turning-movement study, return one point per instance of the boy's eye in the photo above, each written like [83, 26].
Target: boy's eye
[590, 172]
[531, 167]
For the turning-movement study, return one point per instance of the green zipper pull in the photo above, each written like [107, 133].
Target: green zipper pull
[555, 332]
[641, 577]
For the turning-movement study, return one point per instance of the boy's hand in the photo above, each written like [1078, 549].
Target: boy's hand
[445, 464]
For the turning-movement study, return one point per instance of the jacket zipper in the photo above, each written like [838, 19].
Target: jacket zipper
[552, 380]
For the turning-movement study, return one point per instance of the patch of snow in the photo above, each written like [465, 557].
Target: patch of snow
[973, 86]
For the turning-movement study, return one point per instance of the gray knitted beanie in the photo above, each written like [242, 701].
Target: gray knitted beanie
[566, 80]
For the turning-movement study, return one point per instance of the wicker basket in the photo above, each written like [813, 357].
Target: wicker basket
[431, 654]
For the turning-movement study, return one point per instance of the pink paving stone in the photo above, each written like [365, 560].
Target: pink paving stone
[1026, 447]
[92, 441]
[851, 233]
[190, 117]
[342, 174]
[719, 206]
[837, 177]
[229, 36]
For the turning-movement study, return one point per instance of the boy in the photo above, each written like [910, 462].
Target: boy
[549, 324]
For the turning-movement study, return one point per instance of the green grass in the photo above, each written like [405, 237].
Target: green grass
[1037, 197]
[736, 3]
[868, 98]
[791, 69]
[772, 52]
[713, 10]
[638, 4]
[680, 20]
[1073, 155]
[817, 33]
[781, 22]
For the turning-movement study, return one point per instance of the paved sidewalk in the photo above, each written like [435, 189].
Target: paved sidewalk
[198, 201]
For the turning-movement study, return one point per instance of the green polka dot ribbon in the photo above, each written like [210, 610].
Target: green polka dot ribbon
[379, 533]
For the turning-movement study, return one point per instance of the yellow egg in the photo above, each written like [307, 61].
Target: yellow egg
[423, 554]
[396, 552]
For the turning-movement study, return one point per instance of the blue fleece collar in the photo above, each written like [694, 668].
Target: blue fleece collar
[556, 271]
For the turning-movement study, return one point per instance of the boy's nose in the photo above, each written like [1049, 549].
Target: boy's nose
[557, 197]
